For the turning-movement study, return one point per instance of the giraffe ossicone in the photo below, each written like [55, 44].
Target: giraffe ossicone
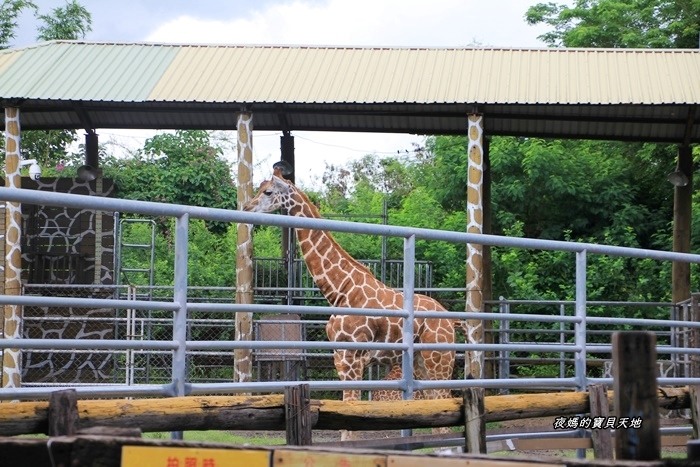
[347, 283]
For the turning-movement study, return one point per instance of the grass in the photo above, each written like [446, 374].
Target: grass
[223, 437]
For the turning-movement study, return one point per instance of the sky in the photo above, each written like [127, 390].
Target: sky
[402, 23]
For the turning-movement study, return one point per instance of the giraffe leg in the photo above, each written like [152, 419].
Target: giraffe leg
[430, 373]
[435, 365]
[350, 366]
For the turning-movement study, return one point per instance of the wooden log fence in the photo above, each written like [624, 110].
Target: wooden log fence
[267, 412]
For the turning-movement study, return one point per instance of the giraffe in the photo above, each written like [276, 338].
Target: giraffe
[345, 282]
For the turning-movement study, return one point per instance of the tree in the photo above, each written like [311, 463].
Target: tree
[588, 189]
[10, 11]
[181, 168]
[636, 23]
[592, 191]
[391, 176]
[619, 23]
[444, 170]
[70, 22]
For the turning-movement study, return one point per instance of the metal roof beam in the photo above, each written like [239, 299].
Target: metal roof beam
[84, 118]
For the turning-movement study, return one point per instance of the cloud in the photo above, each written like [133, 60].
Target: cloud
[414, 23]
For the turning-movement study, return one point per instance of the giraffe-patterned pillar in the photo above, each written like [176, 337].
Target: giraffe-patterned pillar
[12, 323]
[475, 224]
[244, 254]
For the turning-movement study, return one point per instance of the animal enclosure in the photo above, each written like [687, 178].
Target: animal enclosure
[136, 352]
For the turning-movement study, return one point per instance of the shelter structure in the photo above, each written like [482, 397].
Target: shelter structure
[616, 94]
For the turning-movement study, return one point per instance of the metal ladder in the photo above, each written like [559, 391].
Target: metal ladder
[136, 271]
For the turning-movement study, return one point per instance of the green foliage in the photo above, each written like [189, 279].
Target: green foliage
[364, 205]
[591, 191]
[268, 242]
[400, 182]
[10, 11]
[211, 257]
[619, 23]
[48, 147]
[71, 22]
[443, 155]
[180, 168]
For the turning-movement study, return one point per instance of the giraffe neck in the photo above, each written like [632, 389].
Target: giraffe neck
[334, 271]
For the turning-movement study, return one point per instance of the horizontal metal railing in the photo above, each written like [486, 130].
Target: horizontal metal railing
[181, 305]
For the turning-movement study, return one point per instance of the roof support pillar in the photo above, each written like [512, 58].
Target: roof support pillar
[12, 319]
[288, 240]
[243, 364]
[474, 328]
[287, 152]
[91, 149]
[682, 222]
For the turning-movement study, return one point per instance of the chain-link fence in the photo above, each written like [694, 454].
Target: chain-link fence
[76, 367]
[80, 367]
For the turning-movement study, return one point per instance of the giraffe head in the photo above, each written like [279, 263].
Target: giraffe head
[275, 193]
[272, 195]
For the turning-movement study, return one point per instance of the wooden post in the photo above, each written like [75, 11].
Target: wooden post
[602, 439]
[635, 399]
[694, 338]
[682, 223]
[693, 450]
[297, 414]
[694, 392]
[474, 422]
[63, 413]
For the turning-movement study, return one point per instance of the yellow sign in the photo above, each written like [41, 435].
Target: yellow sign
[162, 456]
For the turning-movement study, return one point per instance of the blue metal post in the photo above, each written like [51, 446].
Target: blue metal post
[580, 330]
[504, 367]
[179, 364]
[562, 341]
[409, 257]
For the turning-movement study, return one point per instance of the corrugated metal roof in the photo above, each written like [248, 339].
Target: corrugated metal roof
[652, 94]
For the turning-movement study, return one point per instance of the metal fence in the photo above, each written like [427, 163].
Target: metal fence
[52, 367]
[175, 340]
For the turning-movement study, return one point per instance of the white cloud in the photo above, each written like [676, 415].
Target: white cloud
[414, 23]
